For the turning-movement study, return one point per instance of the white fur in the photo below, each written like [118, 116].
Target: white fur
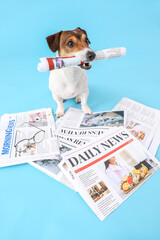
[70, 82]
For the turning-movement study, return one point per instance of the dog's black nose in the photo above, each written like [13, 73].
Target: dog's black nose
[90, 56]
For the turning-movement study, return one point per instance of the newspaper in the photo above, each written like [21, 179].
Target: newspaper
[142, 121]
[27, 136]
[84, 127]
[76, 118]
[50, 166]
[109, 169]
[48, 64]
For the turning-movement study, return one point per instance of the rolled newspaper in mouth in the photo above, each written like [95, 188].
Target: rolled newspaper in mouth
[48, 64]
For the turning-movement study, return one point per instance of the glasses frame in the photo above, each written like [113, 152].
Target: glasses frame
[28, 139]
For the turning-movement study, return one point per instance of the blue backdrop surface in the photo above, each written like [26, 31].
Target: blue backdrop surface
[33, 206]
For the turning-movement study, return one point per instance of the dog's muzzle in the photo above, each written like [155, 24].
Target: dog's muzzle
[90, 56]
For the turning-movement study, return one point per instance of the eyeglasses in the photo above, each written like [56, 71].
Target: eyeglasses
[25, 143]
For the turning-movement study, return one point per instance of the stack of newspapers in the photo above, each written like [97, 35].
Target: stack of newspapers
[105, 156]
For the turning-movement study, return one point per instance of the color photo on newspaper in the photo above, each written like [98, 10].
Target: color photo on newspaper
[75, 118]
[109, 169]
[101, 119]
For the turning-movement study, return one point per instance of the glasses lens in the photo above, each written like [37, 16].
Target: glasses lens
[39, 136]
[22, 146]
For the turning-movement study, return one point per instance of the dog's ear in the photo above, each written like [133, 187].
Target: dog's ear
[82, 30]
[53, 41]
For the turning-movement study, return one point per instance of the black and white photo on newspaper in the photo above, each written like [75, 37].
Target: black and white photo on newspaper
[109, 169]
[27, 136]
[142, 121]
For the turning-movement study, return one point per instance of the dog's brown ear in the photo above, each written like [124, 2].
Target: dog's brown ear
[53, 41]
[82, 30]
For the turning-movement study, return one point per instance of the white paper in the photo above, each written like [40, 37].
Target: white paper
[142, 121]
[27, 136]
[109, 169]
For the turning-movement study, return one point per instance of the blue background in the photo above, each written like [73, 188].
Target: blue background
[33, 206]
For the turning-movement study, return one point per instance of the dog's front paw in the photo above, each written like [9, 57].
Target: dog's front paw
[59, 113]
[78, 100]
[87, 110]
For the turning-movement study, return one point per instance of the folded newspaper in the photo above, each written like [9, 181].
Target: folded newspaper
[142, 121]
[109, 169]
[27, 136]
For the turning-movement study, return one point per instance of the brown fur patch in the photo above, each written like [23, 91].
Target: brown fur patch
[53, 41]
[77, 36]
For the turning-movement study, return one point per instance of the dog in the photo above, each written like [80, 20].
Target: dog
[71, 82]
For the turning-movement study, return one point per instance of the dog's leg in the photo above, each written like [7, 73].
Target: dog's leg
[78, 100]
[60, 106]
[83, 96]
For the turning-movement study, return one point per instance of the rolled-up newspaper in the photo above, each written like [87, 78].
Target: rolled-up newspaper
[48, 64]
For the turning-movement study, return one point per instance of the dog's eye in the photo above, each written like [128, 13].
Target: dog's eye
[70, 44]
[87, 41]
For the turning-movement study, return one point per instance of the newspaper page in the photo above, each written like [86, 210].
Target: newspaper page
[27, 136]
[142, 122]
[50, 166]
[76, 118]
[76, 124]
[109, 169]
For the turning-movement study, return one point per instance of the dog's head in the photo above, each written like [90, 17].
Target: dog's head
[72, 43]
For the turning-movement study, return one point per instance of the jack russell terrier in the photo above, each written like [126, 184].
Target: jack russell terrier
[71, 82]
